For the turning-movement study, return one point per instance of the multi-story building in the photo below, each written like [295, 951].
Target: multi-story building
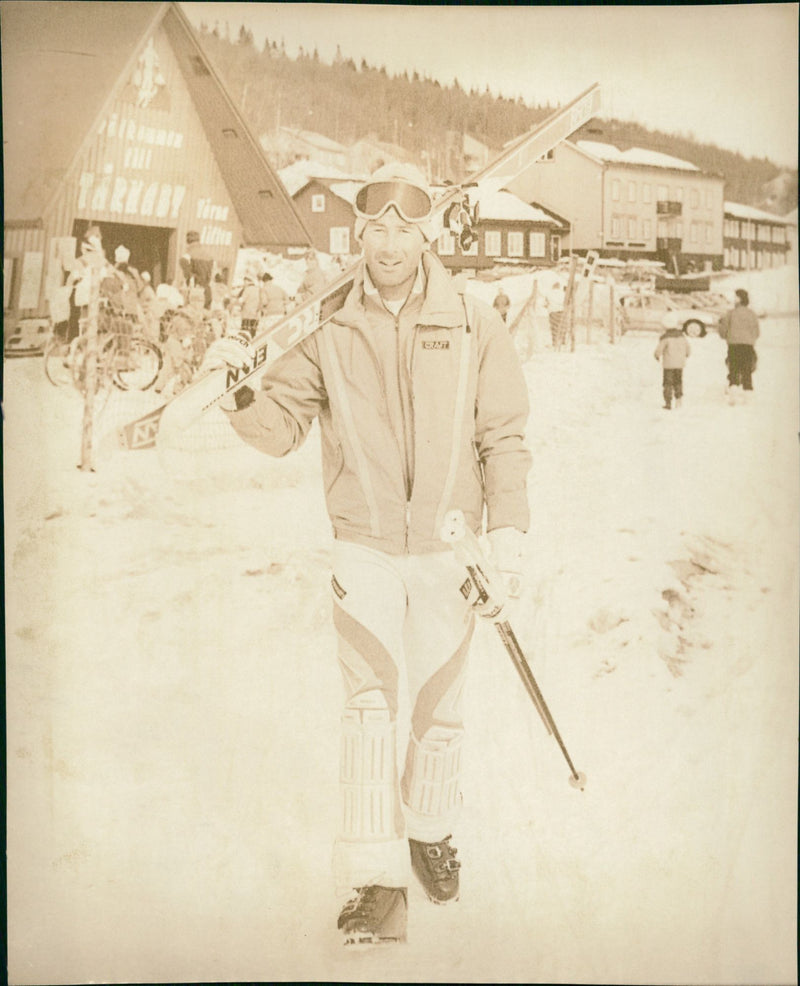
[634, 204]
[754, 239]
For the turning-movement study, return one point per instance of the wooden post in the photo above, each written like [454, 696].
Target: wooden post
[590, 312]
[90, 370]
[569, 303]
[611, 313]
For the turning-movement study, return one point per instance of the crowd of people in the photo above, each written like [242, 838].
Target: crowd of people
[181, 317]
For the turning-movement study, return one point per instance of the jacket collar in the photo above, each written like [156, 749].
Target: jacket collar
[441, 303]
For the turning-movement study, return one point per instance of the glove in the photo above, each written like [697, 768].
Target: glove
[508, 556]
[227, 351]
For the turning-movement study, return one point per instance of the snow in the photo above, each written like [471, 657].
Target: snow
[634, 155]
[173, 699]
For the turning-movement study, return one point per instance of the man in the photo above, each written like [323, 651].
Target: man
[740, 329]
[197, 266]
[422, 407]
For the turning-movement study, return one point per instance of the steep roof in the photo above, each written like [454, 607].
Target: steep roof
[60, 60]
[64, 62]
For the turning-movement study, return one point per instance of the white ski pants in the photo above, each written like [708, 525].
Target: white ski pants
[403, 630]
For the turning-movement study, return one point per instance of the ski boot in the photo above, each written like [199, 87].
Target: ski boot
[376, 916]
[436, 868]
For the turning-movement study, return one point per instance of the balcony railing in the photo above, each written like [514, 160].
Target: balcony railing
[665, 207]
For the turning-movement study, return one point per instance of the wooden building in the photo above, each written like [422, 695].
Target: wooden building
[326, 208]
[754, 239]
[114, 116]
[509, 232]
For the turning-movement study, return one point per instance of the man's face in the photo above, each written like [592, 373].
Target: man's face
[392, 250]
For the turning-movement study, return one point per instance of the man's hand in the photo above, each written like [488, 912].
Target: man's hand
[227, 351]
[508, 557]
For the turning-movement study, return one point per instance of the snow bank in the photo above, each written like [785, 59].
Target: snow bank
[173, 699]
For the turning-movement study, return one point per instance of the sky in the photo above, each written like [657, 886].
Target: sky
[725, 74]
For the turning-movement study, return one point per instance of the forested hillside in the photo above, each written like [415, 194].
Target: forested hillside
[347, 101]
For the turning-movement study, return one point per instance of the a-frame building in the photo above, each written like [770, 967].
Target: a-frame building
[113, 115]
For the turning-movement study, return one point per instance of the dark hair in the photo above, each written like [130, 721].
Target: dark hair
[743, 296]
[192, 236]
[266, 276]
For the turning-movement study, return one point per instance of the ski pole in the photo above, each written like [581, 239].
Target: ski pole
[490, 595]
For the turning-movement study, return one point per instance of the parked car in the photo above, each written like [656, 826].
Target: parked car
[645, 312]
[28, 337]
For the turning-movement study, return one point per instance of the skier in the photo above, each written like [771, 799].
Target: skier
[422, 407]
[739, 327]
[673, 350]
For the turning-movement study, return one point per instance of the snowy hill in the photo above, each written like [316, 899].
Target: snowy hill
[173, 699]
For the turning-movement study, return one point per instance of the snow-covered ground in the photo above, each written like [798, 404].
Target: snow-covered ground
[173, 700]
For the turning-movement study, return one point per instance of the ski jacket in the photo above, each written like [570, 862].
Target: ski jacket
[740, 326]
[673, 349]
[419, 414]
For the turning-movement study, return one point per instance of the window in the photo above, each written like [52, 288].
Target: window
[694, 198]
[339, 239]
[647, 229]
[709, 232]
[679, 230]
[516, 244]
[493, 243]
[318, 203]
[536, 245]
[631, 191]
[631, 229]
[615, 230]
[646, 190]
[708, 198]
[679, 194]
[615, 190]
[446, 244]
[694, 232]
[662, 193]
[473, 250]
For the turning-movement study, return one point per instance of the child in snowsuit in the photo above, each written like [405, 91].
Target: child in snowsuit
[672, 350]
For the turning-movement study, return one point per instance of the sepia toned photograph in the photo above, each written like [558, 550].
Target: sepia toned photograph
[401, 492]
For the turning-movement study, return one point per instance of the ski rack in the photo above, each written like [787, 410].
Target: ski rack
[318, 310]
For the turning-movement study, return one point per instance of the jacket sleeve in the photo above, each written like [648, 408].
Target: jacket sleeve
[501, 415]
[292, 393]
[724, 325]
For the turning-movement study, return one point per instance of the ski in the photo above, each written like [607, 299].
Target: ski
[484, 587]
[317, 311]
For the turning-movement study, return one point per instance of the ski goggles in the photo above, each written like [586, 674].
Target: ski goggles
[412, 203]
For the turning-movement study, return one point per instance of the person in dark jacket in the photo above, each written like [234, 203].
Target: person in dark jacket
[740, 329]
[197, 266]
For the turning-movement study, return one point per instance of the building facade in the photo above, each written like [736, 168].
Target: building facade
[753, 239]
[630, 205]
[146, 144]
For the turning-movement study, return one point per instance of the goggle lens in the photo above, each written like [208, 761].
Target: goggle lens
[411, 202]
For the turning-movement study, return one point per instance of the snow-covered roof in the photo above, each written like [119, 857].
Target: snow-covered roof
[497, 203]
[317, 140]
[298, 174]
[749, 212]
[634, 155]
